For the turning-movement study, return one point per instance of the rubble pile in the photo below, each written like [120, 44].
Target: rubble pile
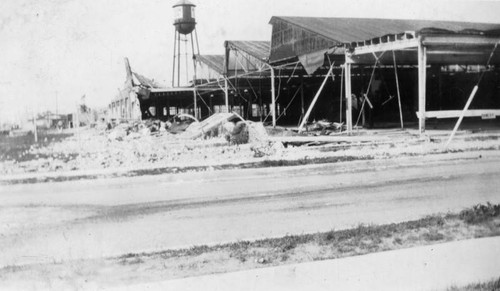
[136, 129]
[236, 133]
[221, 139]
[147, 144]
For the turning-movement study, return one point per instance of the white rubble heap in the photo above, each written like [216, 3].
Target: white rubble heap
[149, 147]
[98, 148]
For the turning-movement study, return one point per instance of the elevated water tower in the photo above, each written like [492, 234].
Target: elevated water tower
[185, 25]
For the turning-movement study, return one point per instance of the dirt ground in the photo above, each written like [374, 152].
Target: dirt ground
[76, 226]
[93, 149]
[80, 227]
[139, 268]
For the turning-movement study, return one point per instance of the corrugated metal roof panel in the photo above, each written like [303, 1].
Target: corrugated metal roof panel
[257, 49]
[215, 62]
[347, 30]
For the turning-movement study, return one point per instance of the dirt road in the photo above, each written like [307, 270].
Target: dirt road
[53, 222]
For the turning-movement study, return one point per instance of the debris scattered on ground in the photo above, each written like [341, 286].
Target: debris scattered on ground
[142, 144]
[180, 123]
[324, 127]
[210, 127]
[267, 149]
[223, 138]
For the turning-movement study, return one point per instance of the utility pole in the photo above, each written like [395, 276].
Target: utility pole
[57, 105]
[34, 125]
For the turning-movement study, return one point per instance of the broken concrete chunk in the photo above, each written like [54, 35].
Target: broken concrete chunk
[227, 130]
[239, 135]
[257, 132]
[212, 123]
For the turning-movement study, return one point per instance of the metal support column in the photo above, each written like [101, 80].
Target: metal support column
[195, 111]
[226, 94]
[422, 76]
[273, 97]
[348, 96]
[302, 105]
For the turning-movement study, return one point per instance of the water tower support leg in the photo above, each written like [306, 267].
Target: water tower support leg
[178, 59]
[197, 45]
[174, 58]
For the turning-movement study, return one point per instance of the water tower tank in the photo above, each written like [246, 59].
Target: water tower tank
[184, 20]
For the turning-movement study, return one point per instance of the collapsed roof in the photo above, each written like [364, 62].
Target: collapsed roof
[144, 81]
[240, 57]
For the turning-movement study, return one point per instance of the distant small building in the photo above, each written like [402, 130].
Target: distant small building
[51, 120]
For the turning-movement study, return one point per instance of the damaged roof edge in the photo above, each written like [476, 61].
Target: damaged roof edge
[259, 49]
[274, 19]
[144, 81]
[214, 62]
[348, 30]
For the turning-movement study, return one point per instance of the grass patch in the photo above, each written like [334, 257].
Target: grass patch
[478, 221]
[16, 147]
[480, 213]
[360, 240]
[485, 286]
[11, 268]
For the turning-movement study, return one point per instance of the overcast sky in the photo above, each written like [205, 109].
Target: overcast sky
[62, 49]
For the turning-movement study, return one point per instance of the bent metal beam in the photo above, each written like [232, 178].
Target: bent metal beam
[304, 121]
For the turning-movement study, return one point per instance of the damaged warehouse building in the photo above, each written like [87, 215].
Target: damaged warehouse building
[352, 71]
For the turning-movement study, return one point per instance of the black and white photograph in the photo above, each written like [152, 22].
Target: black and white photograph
[250, 145]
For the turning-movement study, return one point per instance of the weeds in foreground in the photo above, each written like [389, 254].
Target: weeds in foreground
[241, 255]
[480, 213]
[359, 240]
[492, 285]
